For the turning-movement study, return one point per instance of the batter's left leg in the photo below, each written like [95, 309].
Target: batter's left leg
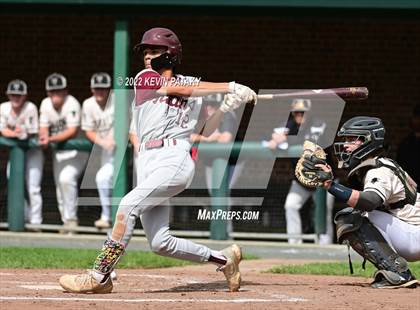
[155, 223]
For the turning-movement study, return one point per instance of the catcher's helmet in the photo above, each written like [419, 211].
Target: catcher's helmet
[55, 81]
[17, 87]
[162, 37]
[301, 105]
[370, 130]
[100, 80]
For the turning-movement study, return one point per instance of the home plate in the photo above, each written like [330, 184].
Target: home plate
[42, 287]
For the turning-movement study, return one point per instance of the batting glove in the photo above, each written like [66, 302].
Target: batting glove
[246, 93]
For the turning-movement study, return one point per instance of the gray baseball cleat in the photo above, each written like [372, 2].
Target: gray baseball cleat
[231, 269]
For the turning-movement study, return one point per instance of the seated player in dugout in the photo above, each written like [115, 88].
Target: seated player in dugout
[59, 121]
[300, 127]
[166, 113]
[225, 133]
[382, 222]
[98, 124]
[19, 120]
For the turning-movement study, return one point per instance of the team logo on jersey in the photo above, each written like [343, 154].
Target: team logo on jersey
[58, 127]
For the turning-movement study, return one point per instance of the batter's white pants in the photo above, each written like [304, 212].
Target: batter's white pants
[162, 173]
[104, 178]
[34, 161]
[403, 237]
[295, 200]
[67, 168]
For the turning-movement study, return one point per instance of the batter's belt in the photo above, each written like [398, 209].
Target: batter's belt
[160, 143]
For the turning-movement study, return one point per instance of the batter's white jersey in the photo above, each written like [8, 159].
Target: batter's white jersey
[27, 119]
[164, 117]
[98, 119]
[388, 186]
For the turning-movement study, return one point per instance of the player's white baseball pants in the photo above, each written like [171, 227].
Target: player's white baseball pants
[34, 161]
[104, 184]
[162, 173]
[295, 200]
[67, 167]
[33, 171]
[403, 237]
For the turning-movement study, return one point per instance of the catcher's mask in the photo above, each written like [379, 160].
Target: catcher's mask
[369, 130]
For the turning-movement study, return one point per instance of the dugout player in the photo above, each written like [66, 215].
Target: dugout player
[166, 110]
[382, 222]
[297, 196]
[19, 119]
[98, 124]
[60, 121]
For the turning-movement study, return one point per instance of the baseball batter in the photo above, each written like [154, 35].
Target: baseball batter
[382, 222]
[98, 124]
[166, 109]
[60, 121]
[19, 119]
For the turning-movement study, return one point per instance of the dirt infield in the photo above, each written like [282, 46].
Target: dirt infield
[200, 287]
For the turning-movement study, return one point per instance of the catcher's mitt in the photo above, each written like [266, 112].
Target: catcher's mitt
[306, 173]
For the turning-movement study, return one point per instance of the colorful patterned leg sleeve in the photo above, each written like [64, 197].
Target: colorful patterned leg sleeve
[110, 254]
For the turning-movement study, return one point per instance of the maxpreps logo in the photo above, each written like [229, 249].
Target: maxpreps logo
[207, 215]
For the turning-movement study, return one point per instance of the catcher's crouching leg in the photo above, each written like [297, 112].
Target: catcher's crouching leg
[365, 239]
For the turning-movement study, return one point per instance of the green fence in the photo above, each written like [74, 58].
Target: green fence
[219, 152]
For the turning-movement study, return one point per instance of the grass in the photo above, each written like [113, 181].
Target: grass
[31, 258]
[335, 269]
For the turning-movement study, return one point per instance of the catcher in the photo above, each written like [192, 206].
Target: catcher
[382, 222]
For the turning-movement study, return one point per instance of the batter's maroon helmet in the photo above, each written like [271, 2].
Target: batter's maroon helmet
[162, 37]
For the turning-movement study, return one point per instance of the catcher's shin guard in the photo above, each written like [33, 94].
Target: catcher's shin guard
[366, 240]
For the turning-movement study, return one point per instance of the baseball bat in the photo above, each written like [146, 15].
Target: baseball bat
[346, 93]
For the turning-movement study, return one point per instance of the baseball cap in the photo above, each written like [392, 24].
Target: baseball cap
[55, 81]
[301, 105]
[100, 80]
[17, 87]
